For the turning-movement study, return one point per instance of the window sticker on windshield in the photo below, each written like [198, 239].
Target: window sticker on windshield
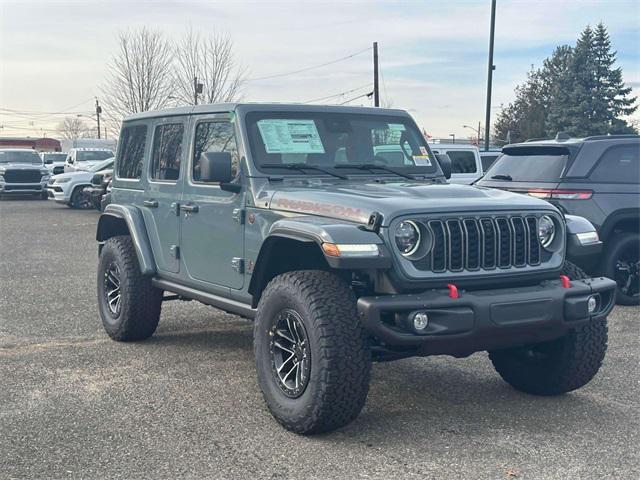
[290, 136]
[423, 150]
[422, 160]
[396, 127]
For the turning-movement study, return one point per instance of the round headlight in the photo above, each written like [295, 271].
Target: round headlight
[546, 230]
[407, 237]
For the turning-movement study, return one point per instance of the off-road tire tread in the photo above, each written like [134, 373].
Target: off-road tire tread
[345, 374]
[580, 359]
[142, 302]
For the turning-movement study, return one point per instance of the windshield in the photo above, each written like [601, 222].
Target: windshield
[319, 140]
[529, 165]
[16, 156]
[54, 157]
[102, 165]
[92, 155]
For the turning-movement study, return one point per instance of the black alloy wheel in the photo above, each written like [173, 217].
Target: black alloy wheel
[290, 353]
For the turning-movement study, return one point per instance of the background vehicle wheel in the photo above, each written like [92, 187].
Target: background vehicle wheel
[622, 264]
[129, 305]
[79, 199]
[44, 195]
[558, 366]
[312, 358]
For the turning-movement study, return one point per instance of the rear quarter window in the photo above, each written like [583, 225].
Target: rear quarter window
[618, 165]
[131, 155]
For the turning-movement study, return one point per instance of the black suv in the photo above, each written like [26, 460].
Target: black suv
[595, 177]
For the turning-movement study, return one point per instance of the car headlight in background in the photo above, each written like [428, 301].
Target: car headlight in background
[546, 230]
[407, 237]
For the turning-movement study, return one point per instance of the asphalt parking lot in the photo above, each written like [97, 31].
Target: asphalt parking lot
[74, 404]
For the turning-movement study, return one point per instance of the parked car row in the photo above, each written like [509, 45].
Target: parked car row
[60, 176]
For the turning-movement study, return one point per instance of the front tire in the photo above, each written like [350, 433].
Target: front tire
[307, 326]
[128, 304]
[557, 366]
[79, 199]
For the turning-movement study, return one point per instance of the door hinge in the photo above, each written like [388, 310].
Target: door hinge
[174, 250]
[237, 264]
[238, 215]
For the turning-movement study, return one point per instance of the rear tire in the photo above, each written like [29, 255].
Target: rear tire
[622, 264]
[333, 359]
[128, 304]
[557, 366]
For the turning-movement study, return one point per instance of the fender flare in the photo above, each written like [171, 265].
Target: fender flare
[117, 218]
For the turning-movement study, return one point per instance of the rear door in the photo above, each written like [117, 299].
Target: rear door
[160, 206]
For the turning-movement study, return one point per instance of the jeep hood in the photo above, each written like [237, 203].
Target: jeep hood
[356, 202]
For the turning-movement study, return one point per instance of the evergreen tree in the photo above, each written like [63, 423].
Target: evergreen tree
[578, 90]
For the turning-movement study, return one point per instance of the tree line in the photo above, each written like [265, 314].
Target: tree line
[578, 90]
[149, 71]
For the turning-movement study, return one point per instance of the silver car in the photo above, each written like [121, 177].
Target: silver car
[68, 188]
[22, 173]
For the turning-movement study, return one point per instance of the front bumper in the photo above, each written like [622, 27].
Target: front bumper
[485, 319]
[22, 188]
[58, 193]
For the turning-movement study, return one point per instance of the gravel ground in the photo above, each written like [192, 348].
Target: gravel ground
[74, 404]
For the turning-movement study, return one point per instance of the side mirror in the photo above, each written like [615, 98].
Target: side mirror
[445, 164]
[216, 167]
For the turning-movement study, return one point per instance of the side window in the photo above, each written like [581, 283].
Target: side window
[131, 155]
[214, 136]
[618, 165]
[462, 161]
[167, 152]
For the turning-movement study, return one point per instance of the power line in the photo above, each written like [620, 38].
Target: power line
[368, 95]
[338, 94]
[306, 69]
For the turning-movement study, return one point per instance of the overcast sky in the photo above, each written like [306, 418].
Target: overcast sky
[433, 54]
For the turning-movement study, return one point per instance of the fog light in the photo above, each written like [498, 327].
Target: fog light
[420, 320]
[592, 303]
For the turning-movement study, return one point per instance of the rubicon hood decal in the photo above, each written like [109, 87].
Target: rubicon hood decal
[320, 208]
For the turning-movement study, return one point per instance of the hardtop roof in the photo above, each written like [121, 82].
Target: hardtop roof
[247, 107]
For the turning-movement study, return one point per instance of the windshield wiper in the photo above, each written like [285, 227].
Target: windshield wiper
[372, 166]
[301, 168]
[502, 176]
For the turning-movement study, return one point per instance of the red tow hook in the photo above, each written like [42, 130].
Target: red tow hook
[453, 291]
[566, 283]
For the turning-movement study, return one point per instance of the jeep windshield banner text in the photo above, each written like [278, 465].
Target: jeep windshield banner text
[295, 142]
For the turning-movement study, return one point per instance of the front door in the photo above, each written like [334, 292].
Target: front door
[212, 233]
[160, 206]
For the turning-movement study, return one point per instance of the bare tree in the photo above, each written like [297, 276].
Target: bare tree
[211, 60]
[72, 127]
[140, 75]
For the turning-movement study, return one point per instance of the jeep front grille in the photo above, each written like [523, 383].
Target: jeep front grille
[22, 176]
[483, 243]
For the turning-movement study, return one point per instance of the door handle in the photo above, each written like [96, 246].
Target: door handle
[190, 208]
[150, 203]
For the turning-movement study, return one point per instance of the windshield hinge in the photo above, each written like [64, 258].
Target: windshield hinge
[237, 264]
[238, 215]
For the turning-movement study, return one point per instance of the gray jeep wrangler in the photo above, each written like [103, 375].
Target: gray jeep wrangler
[335, 229]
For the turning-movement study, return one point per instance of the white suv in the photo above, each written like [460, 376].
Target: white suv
[466, 166]
[85, 158]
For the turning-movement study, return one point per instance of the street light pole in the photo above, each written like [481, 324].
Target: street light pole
[490, 69]
[98, 112]
[376, 86]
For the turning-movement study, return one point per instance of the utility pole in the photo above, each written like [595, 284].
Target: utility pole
[491, 68]
[376, 86]
[98, 112]
[197, 88]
